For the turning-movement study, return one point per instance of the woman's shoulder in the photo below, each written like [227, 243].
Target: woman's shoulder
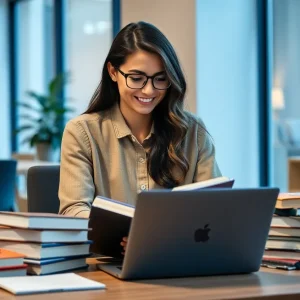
[195, 122]
[89, 119]
[197, 130]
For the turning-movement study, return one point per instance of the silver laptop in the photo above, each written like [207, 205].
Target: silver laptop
[192, 233]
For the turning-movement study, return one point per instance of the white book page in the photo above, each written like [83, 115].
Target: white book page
[114, 207]
[201, 184]
[50, 283]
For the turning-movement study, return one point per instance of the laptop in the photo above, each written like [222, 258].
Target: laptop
[195, 233]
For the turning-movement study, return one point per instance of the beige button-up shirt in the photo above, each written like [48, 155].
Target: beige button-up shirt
[100, 156]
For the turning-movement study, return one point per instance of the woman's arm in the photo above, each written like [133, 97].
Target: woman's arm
[76, 186]
[207, 166]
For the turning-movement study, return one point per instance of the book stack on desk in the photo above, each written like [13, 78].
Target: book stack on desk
[11, 264]
[283, 244]
[50, 243]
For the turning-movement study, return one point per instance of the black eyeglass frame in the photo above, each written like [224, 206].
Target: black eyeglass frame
[148, 77]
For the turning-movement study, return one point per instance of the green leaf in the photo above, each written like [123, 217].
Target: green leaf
[46, 113]
[42, 100]
[60, 110]
[33, 140]
[56, 85]
[26, 140]
[29, 118]
[29, 107]
[24, 128]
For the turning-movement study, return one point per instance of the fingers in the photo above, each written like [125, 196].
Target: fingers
[124, 244]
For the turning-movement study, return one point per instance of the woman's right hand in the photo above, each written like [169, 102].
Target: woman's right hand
[124, 244]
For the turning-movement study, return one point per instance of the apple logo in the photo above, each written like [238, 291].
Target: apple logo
[201, 234]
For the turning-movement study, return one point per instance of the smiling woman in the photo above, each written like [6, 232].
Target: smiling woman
[139, 95]
[135, 134]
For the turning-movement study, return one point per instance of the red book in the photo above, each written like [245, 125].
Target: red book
[278, 262]
[8, 271]
[13, 267]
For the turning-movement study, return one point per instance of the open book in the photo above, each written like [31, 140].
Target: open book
[110, 219]
[219, 182]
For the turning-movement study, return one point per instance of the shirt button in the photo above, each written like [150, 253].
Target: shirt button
[141, 160]
[143, 187]
[133, 139]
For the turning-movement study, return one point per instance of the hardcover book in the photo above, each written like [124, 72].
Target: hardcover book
[285, 264]
[10, 258]
[47, 250]
[110, 219]
[280, 221]
[42, 221]
[282, 254]
[283, 243]
[42, 235]
[10, 271]
[288, 200]
[55, 265]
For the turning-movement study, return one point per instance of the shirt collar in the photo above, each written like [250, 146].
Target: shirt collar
[120, 127]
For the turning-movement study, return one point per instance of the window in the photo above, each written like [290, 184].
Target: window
[88, 39]
[34, 57]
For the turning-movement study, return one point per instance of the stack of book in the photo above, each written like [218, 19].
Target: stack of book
[283, 244]
[50, 243]
[11, 264]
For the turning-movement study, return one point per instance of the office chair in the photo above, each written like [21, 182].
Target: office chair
[8, 172]
[42, 189]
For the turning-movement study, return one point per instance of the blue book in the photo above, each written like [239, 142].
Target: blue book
[55, 265]
[47, 261]
[47, 250]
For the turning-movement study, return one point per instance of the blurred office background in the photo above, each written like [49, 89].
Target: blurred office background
[240, 59]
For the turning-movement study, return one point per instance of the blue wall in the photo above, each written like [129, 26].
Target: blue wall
[227, 84]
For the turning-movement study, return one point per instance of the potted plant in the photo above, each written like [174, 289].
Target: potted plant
[44, 119]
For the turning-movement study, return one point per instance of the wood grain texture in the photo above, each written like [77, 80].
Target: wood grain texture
[266, 284]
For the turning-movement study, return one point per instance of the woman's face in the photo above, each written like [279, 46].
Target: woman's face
[142, 101]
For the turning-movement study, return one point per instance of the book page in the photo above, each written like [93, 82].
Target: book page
[202, 184]
[114, 206]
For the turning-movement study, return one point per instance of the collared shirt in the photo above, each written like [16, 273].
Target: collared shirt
[101, 156]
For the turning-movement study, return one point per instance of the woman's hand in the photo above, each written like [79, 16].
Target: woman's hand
[124, 244]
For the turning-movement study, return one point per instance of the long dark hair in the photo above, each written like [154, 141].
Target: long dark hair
[166, 163]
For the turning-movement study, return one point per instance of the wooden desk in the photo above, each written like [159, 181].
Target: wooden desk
[294, 174]
[266, 284]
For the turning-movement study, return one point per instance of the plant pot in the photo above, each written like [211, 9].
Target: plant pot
[44, 151]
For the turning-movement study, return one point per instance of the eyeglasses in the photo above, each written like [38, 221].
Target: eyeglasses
[138, 81]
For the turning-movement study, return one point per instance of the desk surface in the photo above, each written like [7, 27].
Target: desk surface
[266, 284]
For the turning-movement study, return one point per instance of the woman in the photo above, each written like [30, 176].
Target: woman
[135, 134]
